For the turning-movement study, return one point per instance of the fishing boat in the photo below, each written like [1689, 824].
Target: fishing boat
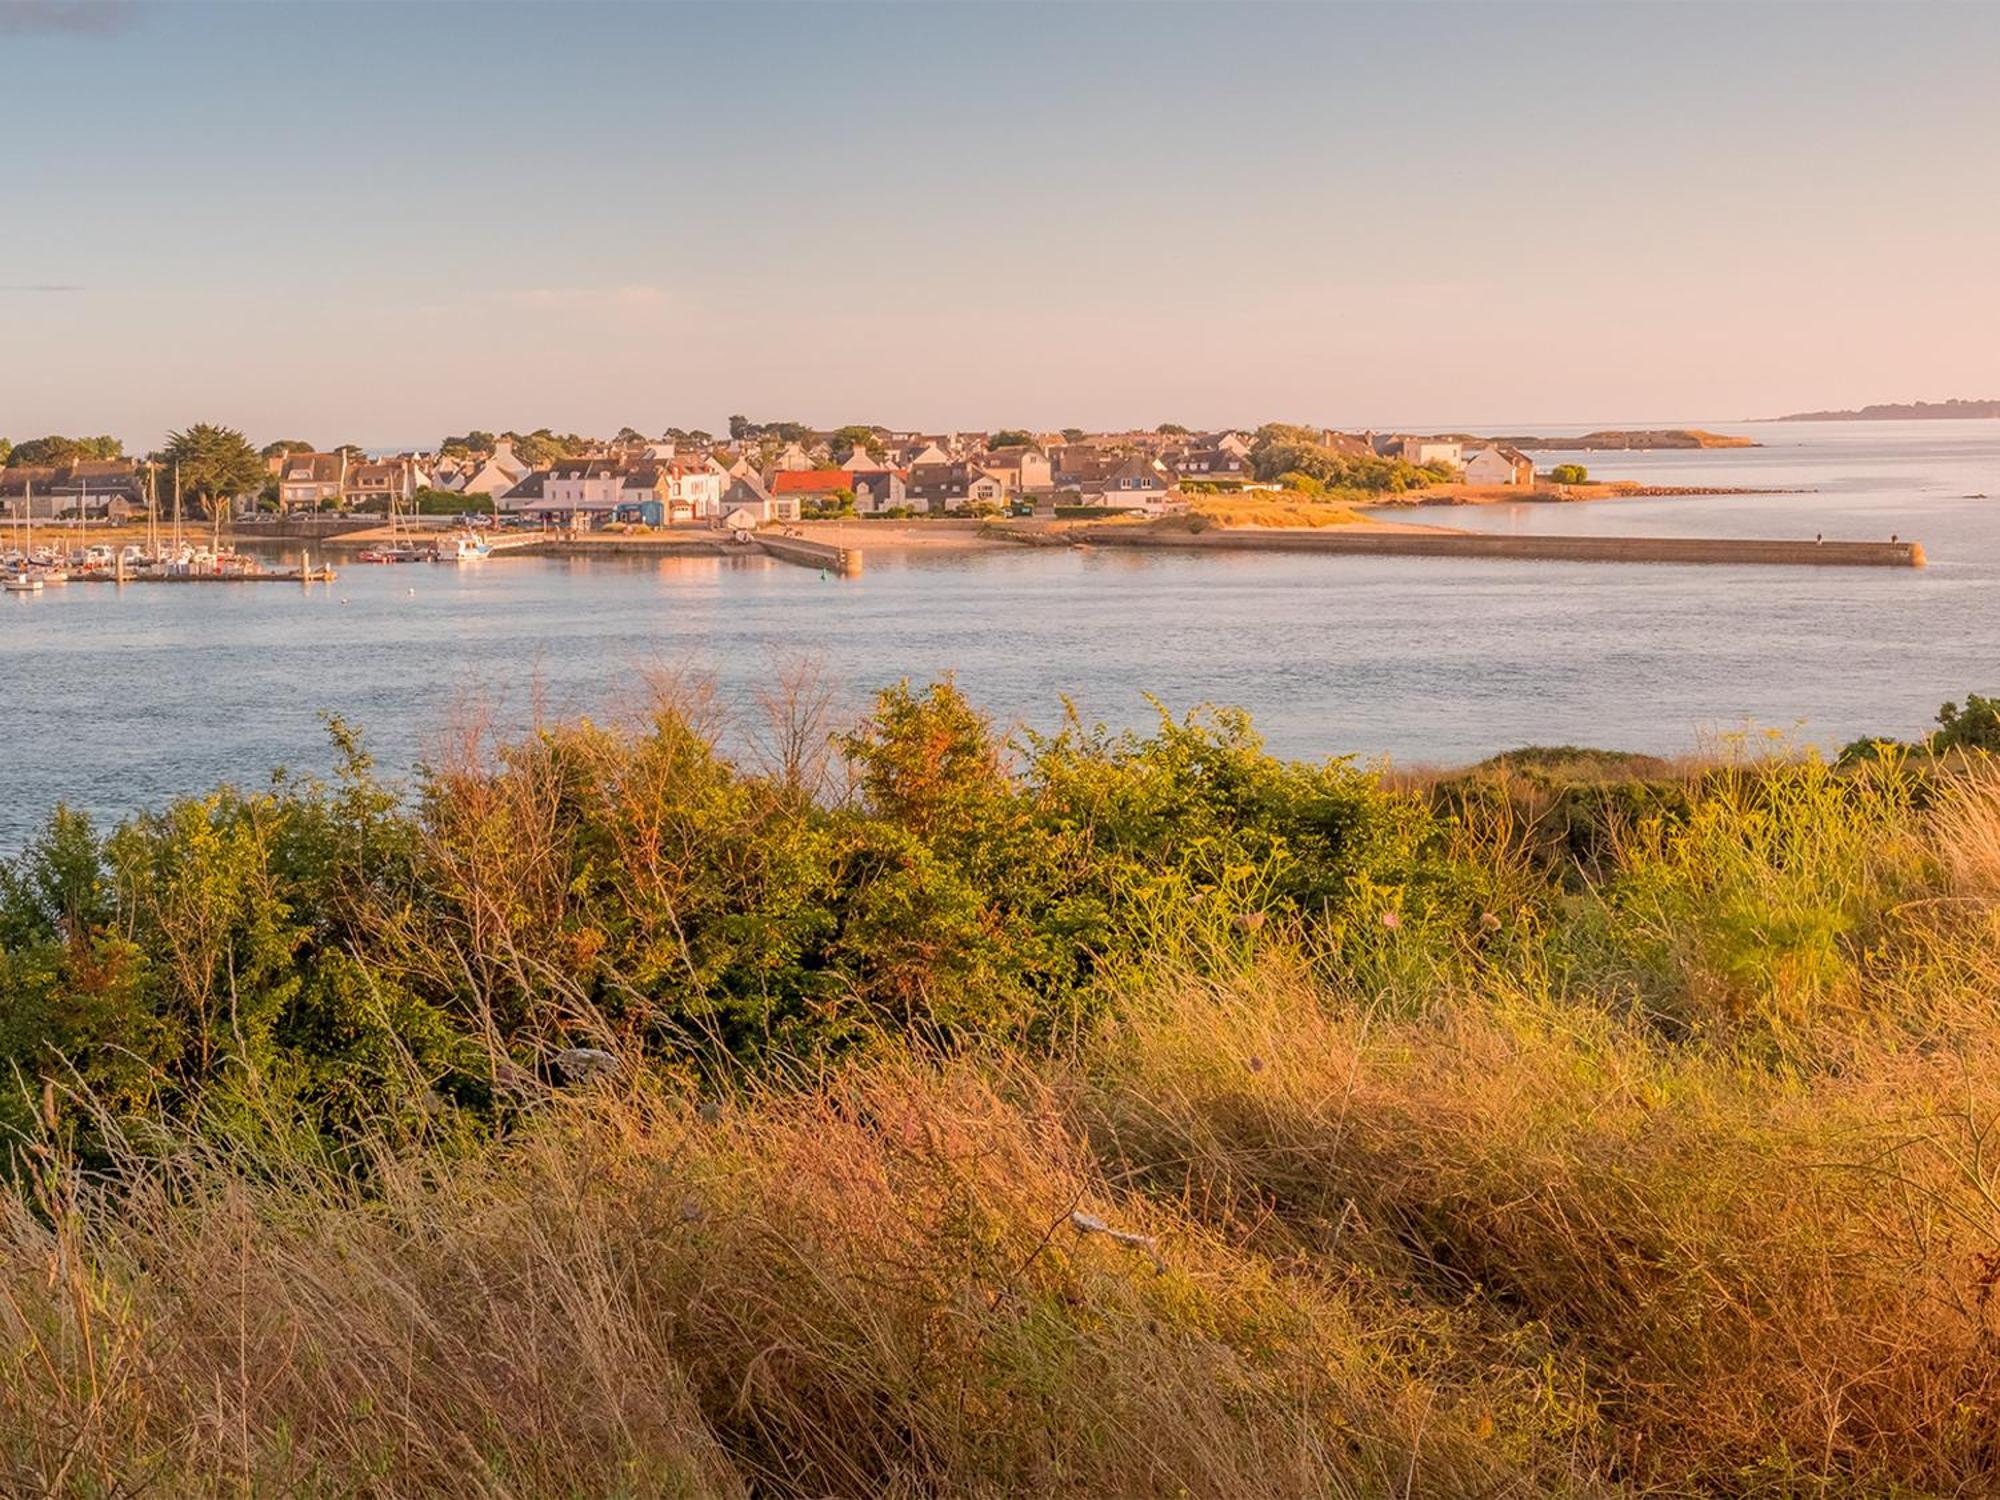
[22, 583]
[461, 546]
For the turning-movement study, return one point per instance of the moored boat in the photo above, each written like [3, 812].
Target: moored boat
[461, 546]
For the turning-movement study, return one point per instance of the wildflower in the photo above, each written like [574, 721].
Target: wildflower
[1392, 920]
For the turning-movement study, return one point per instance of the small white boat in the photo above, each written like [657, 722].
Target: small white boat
[463, 546]
[22, 583]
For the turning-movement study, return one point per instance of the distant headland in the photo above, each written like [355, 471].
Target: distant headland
[1902, 411]
[1615, 440]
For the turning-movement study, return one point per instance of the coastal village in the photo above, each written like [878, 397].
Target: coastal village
[759, 476]
[802, 495]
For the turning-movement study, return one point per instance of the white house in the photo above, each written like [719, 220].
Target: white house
[1138, 482]
[693, 491]
[1498, 464]
[1432, 451]
[746, 505]
[584, 484]
[493, 475]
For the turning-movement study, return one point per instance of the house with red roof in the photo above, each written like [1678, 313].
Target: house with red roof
[874, 490]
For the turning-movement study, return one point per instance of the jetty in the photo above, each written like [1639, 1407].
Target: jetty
[1748, 551]
[826, 556]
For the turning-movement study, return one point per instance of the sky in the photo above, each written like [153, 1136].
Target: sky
[381, 223]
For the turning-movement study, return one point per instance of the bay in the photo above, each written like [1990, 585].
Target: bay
[119, 699]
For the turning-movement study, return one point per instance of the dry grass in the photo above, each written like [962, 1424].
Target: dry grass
[1744, 1281]
[1503, 1248]
[878, 1286]
[1273, 512]
[1967, 828]
[1683, 1181]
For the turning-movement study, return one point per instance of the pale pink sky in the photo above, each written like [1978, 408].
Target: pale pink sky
[379, 224]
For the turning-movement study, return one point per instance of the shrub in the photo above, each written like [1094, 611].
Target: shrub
[1111, 1111]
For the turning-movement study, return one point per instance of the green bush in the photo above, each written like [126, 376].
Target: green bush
[434, 502]
[1976, 726]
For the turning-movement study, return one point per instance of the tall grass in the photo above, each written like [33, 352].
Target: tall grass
[1217, 1128]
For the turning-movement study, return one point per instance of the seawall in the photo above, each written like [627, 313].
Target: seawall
[1757, 551]
[628, 547]
[810, 554]
[303, 528]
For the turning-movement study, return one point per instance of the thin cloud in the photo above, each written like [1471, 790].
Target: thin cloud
[95, 18]
[40, 286]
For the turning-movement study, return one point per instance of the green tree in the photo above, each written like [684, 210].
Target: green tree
[1976, 726]
[1171, 429]
[6, 451]
[435, 502]
[834, 507]
[468, 444]
[284, 446]
[1011, 437]
[540, 448]
[1073, 434]
[214, 463]
[55, 449]
[1569, 473]
[847, 439]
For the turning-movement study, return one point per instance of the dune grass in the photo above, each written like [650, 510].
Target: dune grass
[1506, 1135]
[1288, 511]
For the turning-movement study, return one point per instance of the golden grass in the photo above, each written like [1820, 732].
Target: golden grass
[1275, 511]
[1967, 829]
[1259, 1238]
[1695, 1194]
[891, 1284]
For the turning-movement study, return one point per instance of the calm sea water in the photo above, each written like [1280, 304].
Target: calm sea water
[119, 699]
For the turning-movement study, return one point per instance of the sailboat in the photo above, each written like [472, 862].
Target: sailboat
[25, 579]
[400, 548]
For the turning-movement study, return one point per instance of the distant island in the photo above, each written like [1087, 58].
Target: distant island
[1612, 440]
[1902, 411]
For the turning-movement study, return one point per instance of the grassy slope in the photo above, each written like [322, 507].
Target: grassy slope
[1668, 1171]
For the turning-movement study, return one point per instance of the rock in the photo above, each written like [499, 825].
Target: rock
[583, 1065]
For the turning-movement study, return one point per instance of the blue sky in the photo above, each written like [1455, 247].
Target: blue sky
[376, 223]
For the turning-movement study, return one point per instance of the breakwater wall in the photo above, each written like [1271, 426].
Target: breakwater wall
[302, 528]
[634, 547]
[810, 554]
[1756, 551]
